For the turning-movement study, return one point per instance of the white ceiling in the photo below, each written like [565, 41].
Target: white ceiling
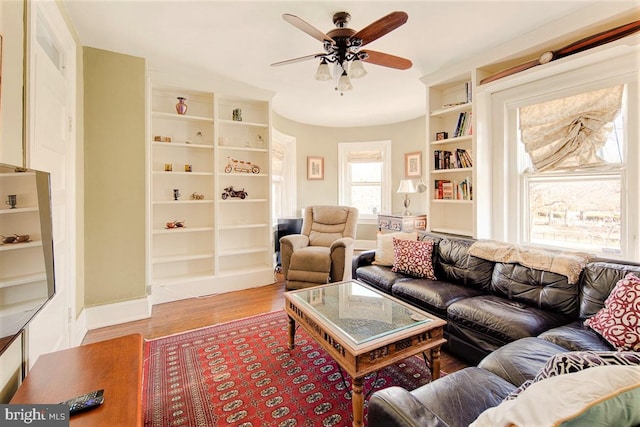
[240, 39]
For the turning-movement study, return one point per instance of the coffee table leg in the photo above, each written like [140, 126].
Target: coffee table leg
[435, 363]
[292, 333]
[357, 401]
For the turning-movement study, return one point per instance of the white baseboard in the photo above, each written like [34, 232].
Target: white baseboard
[80, 329]
[112, 314]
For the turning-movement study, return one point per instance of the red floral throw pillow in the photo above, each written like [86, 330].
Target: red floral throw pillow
[619, 320]
[414, 258]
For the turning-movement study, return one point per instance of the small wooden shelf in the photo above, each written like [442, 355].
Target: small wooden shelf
[181, 145]
[186, 117]
[241, 123]
[20, 246]
[179, 258]
[451, 110]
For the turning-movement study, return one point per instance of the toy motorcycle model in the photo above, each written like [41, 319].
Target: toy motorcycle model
[230, 192]
[234, 165]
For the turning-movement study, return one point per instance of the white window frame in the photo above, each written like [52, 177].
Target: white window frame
[287, 182]
[508, 190]
[344, 183]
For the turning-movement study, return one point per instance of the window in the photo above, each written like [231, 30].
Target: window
[579, 194]
[365, 174]
[572, 152]
[283, 175]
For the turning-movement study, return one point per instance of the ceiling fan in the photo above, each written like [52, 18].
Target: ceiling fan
[343, 47]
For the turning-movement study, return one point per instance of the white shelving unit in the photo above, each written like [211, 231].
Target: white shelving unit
[449, 99]
[23, 278]
[223, 245]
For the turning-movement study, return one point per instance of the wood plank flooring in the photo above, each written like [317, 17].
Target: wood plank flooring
[179, 316]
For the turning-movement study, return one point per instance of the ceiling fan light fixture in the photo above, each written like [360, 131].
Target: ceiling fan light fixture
[323, 72]
[356, 69]
[344, 83]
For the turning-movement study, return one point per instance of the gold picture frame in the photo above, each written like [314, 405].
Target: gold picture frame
[315, 168]
[413, 165]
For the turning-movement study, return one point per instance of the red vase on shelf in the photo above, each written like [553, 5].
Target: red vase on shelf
[181, 107]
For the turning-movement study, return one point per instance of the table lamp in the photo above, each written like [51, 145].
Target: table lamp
[406, 187]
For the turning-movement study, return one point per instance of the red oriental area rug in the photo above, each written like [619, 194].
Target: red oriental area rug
[242, 374]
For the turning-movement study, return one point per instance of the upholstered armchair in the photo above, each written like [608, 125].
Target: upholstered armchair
[323, 251]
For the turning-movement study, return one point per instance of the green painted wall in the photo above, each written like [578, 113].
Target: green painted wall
[114, 164]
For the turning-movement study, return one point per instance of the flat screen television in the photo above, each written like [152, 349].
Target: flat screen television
[27, 280]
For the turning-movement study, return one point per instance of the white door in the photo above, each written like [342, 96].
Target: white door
[51, 147]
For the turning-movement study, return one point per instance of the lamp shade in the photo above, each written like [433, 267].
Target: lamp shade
[344, 83]
[323, 72]
[356, 69]
[407, 186]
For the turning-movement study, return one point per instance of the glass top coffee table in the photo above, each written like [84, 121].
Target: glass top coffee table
[364, 330]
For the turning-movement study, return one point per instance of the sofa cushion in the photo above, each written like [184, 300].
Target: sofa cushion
[520, 360]
[502, 319]
[604, 395]
[575, 361]
[433, 296]
[619, 320]
[598, 279]
[413, 258]
[385, 254]
[537, 288]
[453, 263]
[379, 276]
[575, 336]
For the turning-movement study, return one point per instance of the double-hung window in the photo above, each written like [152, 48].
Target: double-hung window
[573, 160]
[365, 174]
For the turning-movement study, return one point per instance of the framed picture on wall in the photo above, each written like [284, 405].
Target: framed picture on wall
[315, 167]
[413, 165]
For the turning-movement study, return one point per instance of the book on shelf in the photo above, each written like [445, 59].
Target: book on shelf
[458, 158]
[463, 125]
[468, 91]
[445, 189]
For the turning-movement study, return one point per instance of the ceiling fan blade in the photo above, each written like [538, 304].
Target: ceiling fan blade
[575, 47]
[303, 25]
[381, 27]
[300, 59]
[387, 60]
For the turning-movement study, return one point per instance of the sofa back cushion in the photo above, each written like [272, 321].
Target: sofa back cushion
[598, 279]
[537, 288]
[452, 263]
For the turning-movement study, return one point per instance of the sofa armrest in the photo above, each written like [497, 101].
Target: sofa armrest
[395, 406]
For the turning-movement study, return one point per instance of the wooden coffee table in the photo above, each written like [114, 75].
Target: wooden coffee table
[364, 330]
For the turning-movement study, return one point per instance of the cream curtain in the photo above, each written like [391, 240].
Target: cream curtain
[567, 133]
[278, 152]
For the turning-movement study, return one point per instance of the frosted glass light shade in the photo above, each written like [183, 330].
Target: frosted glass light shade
[356, 70]
[323, 72]
[344, 83]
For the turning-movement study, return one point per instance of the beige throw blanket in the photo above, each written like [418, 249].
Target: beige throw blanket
[569, 264]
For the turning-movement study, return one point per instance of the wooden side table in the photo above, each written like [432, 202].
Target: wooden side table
[399, 222]
[114, 365]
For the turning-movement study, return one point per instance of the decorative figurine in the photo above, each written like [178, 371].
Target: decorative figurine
[196, 196]
[176, 194]
[234, 165]
[230, 192]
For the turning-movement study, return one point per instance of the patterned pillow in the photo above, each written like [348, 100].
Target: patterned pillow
[619, 320]
[575, 361]
[384, 246]
[413, 258]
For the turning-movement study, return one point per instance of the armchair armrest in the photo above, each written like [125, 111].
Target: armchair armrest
[289, 244]
[341, 252]
[395, 406]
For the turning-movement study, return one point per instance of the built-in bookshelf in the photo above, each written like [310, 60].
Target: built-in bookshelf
[203, 237]
[450, 130]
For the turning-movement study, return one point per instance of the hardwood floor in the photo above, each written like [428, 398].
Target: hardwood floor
[179, 316]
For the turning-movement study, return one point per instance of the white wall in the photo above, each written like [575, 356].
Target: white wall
[406, 137]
